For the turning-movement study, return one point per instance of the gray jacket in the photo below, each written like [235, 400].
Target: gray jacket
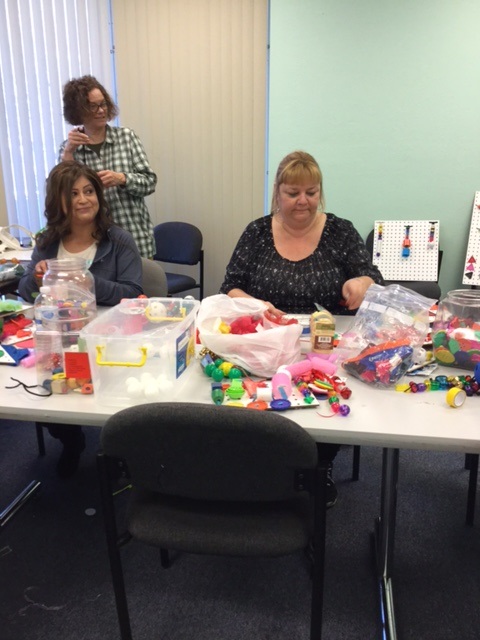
[116, 268]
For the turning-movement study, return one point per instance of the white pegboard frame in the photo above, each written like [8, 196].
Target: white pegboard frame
[471, 271]
[421, 264]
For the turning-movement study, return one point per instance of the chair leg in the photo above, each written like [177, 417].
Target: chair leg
[113, 548]
[472, 488]
[40, 439]
[165, 558]
[319, 534]
[468, 460]
[356, 462]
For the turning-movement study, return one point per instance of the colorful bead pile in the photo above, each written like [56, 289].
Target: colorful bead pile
[442, 383]
[316, 383]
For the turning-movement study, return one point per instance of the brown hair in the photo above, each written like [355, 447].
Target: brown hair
[59, 188]
[76, 103]
[296, 168]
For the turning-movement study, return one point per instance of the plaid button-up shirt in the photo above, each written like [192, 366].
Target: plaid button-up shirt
[123, 152]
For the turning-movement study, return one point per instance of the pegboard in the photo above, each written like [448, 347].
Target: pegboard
[407, 249]
[471, 272]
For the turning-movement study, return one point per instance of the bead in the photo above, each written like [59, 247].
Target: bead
[346, 393]
[421, 387]
[344, 410]
[442, 381]
[217, 374]
[209, 369]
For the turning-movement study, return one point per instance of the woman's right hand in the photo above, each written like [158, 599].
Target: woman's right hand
[76, 137]
[40, 270]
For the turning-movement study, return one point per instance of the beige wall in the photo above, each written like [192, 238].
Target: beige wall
[192, 83]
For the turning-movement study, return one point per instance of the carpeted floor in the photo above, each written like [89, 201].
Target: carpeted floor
[55, 580]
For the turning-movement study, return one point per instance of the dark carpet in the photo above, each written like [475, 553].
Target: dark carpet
[55, 580]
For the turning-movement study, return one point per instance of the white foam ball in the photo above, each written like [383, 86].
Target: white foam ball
[146, 378]
[134, 389]
[165, 385]
[151, 391]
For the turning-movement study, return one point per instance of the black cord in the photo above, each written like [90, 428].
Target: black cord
[27, 388]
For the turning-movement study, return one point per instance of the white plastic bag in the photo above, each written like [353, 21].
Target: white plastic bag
[260, 353]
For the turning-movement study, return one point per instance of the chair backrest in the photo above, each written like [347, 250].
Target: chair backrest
[428, 288]
[178, 242]
[207, 452]
[154, 280]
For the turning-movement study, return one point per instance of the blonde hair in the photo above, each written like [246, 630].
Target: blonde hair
[297, 168]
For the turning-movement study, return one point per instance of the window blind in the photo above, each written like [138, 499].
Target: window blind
[43, 44]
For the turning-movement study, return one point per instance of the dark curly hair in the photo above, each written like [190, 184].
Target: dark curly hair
[58, 190]
[76, 103]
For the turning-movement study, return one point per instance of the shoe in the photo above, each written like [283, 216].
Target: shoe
[331, 489]
[70, 457]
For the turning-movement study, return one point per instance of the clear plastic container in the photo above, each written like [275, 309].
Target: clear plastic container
[142, 350]
[65, 305]
[72, 286]
[456, 329]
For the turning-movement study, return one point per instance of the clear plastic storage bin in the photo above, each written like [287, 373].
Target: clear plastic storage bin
[141, 350]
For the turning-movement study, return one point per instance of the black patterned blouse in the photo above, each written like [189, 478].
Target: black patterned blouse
[258, 269]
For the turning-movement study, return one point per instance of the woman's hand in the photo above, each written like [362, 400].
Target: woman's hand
[76, 137]
[353, 291]
[111, 178]
[40, 270]
[273, 310]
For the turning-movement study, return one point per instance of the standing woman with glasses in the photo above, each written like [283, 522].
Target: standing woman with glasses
[115, 153]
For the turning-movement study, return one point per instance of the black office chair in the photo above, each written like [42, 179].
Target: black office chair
[180, 243]
[214, 480]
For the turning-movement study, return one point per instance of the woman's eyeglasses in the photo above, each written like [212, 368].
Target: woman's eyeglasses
[94, 107]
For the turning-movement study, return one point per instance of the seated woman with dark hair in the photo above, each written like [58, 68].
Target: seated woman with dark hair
[78, 225]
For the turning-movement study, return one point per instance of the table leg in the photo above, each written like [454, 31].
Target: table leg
[18, 502]
[385, 540]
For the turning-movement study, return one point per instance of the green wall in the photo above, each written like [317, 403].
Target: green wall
[386, 96]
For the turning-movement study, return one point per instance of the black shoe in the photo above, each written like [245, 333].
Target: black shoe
[70, 457]
[331, 489]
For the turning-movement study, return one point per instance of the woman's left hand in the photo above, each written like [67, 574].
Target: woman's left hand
[111, 178]
[353, 291]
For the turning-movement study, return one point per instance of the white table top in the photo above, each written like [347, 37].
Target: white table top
[20, 254]
[378, 417]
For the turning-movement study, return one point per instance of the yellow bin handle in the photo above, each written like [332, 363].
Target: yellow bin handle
[105, 363]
